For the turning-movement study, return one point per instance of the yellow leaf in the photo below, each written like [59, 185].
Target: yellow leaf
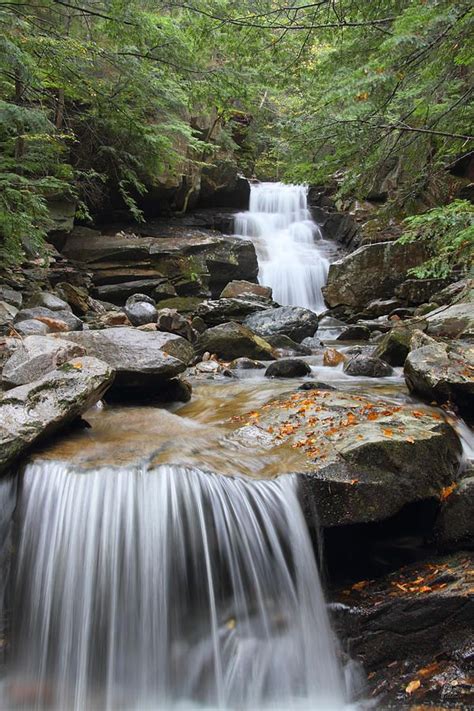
[413, 686]
[230, 624]
[77, 366]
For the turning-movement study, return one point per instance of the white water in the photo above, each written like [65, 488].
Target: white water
[163, 589]
[289, 245]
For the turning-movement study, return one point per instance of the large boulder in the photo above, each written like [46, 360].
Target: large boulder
[419, 291]
[215, 312]
[233, 340]
[49, 301]
[456, 321]
[34, 356]
[412, 632]
[442, 373]
[143, 360]
[362, 459]
[140, 312]
[243, 289]
[292, 321]
[31, 412]
[371, 272]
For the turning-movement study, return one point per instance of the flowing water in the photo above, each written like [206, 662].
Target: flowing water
[292, 256]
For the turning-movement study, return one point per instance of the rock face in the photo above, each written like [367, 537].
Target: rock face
[288, 368]
[442, 373]
[292, 321]
[35, 356]
[412, 631]
[143, 361]
[367, 366]
[371, 272]
[163, 263]
[233, 340]
[30, 412]
[362, 459]
[456, 321]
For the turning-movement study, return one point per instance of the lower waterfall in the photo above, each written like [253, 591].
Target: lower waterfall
[168, 588]
[286, 240]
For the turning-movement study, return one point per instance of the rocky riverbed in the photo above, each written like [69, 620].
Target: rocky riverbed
[191, 361]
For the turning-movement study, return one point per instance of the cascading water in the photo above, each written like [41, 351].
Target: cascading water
[279, 224]
[167, 588]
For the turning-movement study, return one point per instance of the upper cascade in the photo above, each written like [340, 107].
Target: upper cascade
[280, 225]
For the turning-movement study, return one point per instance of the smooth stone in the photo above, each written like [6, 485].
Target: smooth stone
[287, 346]
[140, 298]
[32, 327]
[49, 301]
[233, 340]
[218, 311]
[34, 356]
[241, 289]
[313, 343]
[456, 321]
[140, 313]
[73, 323]
[292, 321]
[245, 364]
[10, 296]
[394, 347]
[288, 368]
[367, 366]
[354, 333]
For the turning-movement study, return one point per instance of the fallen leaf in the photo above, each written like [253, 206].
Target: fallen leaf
[446, 491]
[413, 686]
[387, 432]
[360, 585]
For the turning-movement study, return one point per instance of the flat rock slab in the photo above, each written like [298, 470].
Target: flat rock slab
[292, 321]
[366, 458]
[31, 412]
[34, 356]
[415, 623]
[141, 359]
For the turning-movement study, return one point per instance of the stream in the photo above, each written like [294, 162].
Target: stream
[145, 581]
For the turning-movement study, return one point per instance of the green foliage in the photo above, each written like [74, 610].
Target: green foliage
[448, 233]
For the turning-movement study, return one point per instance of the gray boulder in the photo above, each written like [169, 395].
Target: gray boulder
[34, 356]
[454, 527]
[442, 373]
[7, 313]
[32, 327]
[292, 321]
[42, 313]
[313, 343]
[233, 340]
[357, 332]
[286, 347]
[140, 312]
[244, 289]
[394, 347]
[288, 368]
[140, 298]
[456, 321]
[49, 301]
[143, 360]
[31, 412]
[367, 366]
[11, 296]
[245, 364]
[217, 311]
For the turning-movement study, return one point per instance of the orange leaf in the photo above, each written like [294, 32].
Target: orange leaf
[387, 432]
[360, 585]
[446, 491]
[413, 686]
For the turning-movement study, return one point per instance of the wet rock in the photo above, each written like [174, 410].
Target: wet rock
[417, 624]
[363, 459]
[333, 358]
[31, 327]
[371, 272]
[215, 312]
[402, 313]
[381, 307]
[316, 385]
[367, 366]
[211, 369]
[140, 313]
[245, 364]
[313, 343]
[357, 332]
[171, 321]
[140, 299]
[288, 368]
[31, 412]
[454, 527]
[286, 347]
[418, 291]
[119, 292]
[198, 324]
[394, 347]
[143, 361]
[456, 321]
[461, 290]
[41, 313]
[243, 289]
[49, 301]
[292, 321]
[442, 373]
[233, 340]
[34, 356]
[329, 328]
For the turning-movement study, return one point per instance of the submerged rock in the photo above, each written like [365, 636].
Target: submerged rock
[442, 373]
[31, 412]
[292, 321]
[234, 340]
[288, 368]
[364, 459]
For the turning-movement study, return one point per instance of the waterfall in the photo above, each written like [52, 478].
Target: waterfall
[285, 237]
[164, 589]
